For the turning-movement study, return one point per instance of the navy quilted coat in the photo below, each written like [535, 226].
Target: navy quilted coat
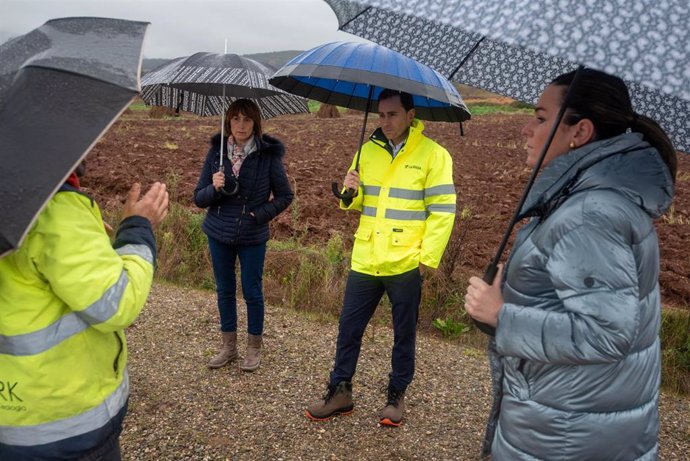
[578, 335]
[264, 190]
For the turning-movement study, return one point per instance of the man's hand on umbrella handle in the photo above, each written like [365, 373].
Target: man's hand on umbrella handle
[483, 301]
[352, 181]
[218, 180]
[152, 206]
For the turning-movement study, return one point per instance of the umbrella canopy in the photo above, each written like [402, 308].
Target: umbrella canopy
[205, 83]
[517, 47]
[343, 73]
[61, 86]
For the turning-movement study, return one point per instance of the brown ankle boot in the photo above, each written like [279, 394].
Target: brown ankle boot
[228, 351]
[253, 357]
[392, 413]
[337, 401]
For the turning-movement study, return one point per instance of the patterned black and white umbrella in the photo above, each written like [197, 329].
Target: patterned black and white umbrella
[516, 47]
[205, 83]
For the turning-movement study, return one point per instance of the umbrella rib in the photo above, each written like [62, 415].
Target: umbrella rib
[343, 26]
[467, 56]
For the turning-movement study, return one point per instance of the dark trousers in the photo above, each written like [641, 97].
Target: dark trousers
[362, 295]
[223, 257]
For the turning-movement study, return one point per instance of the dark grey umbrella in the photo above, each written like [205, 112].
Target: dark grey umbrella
[61, 86]
[205, 83]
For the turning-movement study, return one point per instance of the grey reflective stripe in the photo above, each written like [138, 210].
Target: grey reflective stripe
[68, 325]
[410, 194]
[53, 431]
[406, 215]
[439, 190]
[441, 207]
[138, 250]
[369, 211]
[372, 190]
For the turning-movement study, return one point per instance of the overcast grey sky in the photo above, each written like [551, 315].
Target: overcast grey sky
[180, 28]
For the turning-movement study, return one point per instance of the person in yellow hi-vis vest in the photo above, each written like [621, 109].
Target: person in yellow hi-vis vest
[404, 191]
[66, 296]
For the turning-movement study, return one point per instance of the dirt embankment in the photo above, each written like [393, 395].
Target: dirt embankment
[488, 165]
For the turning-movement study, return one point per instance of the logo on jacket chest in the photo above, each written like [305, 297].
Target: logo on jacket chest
[413, 167]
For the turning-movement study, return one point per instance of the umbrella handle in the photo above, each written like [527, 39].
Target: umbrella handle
[235, 185]
[489, 276]
[347, 195]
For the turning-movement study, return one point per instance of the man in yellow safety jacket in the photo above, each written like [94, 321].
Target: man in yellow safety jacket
[66, 295]
[405, 193]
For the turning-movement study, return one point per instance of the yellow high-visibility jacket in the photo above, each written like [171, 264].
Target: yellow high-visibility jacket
[407, 204]
[66, 294]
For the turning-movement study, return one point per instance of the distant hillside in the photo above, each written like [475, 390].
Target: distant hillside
[273, 60]
[148, 65]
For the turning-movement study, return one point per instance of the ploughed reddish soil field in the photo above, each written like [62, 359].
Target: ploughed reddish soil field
[489, 174]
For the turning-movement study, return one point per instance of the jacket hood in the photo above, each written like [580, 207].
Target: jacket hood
[266, 144]
[624, 163]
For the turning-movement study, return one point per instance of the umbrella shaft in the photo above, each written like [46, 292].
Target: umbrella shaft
[364, 127]
[535, 171]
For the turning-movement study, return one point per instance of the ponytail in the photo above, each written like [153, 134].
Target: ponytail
[657, 137]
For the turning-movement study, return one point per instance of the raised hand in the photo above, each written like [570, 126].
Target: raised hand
[152, 206]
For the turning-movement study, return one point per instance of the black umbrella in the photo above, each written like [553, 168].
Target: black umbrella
[61, 86]
[507, 48]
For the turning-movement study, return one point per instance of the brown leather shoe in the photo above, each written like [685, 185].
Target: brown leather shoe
[392, 413]
[337, 401]
[253, 357]
[228, 351]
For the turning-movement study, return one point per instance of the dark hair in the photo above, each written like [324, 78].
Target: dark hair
[604, 100]
[405, 98]
[248, 108]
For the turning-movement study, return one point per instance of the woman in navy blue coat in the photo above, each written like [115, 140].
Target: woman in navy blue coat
[249, 190]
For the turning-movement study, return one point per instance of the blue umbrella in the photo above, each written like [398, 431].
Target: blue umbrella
[353, 75]
[349, 74]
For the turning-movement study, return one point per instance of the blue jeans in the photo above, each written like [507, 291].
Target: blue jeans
[223, 257]
[362, 295]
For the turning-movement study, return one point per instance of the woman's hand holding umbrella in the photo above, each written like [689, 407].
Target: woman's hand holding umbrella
[218, 180]
[483, 301]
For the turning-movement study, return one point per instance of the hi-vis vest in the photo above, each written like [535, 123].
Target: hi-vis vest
[65, 297]
[407, 205]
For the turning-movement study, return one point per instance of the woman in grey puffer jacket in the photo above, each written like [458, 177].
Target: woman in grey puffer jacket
[577, 317]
